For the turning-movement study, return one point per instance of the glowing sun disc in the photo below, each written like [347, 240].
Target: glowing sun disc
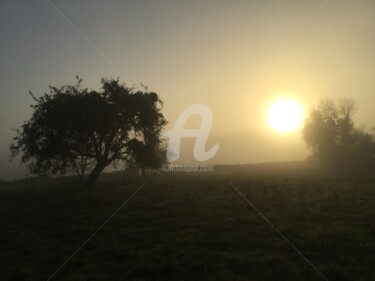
[285, 115]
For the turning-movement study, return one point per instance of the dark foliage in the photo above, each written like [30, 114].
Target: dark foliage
[334, 140]
[73, 128]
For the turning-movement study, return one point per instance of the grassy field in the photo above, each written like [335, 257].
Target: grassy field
[193, 226]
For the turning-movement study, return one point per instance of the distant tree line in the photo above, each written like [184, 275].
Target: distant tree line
[333, 138]
[76, 130]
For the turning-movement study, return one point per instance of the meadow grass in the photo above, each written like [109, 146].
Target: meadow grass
[192, 226]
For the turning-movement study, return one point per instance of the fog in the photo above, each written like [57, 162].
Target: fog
[235, 57]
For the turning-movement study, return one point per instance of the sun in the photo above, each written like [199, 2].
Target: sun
[285, 115]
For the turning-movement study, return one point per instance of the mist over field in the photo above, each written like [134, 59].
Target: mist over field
[235, 57]
[187, 140]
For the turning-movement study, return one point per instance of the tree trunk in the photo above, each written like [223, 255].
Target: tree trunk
[95, 174]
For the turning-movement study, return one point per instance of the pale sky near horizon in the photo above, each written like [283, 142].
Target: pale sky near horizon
[234, 56]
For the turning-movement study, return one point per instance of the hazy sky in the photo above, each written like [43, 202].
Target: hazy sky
[234, 56]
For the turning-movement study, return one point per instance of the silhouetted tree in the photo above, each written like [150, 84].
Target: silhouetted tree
[147, 155]
[331, 136]
[73, 128]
